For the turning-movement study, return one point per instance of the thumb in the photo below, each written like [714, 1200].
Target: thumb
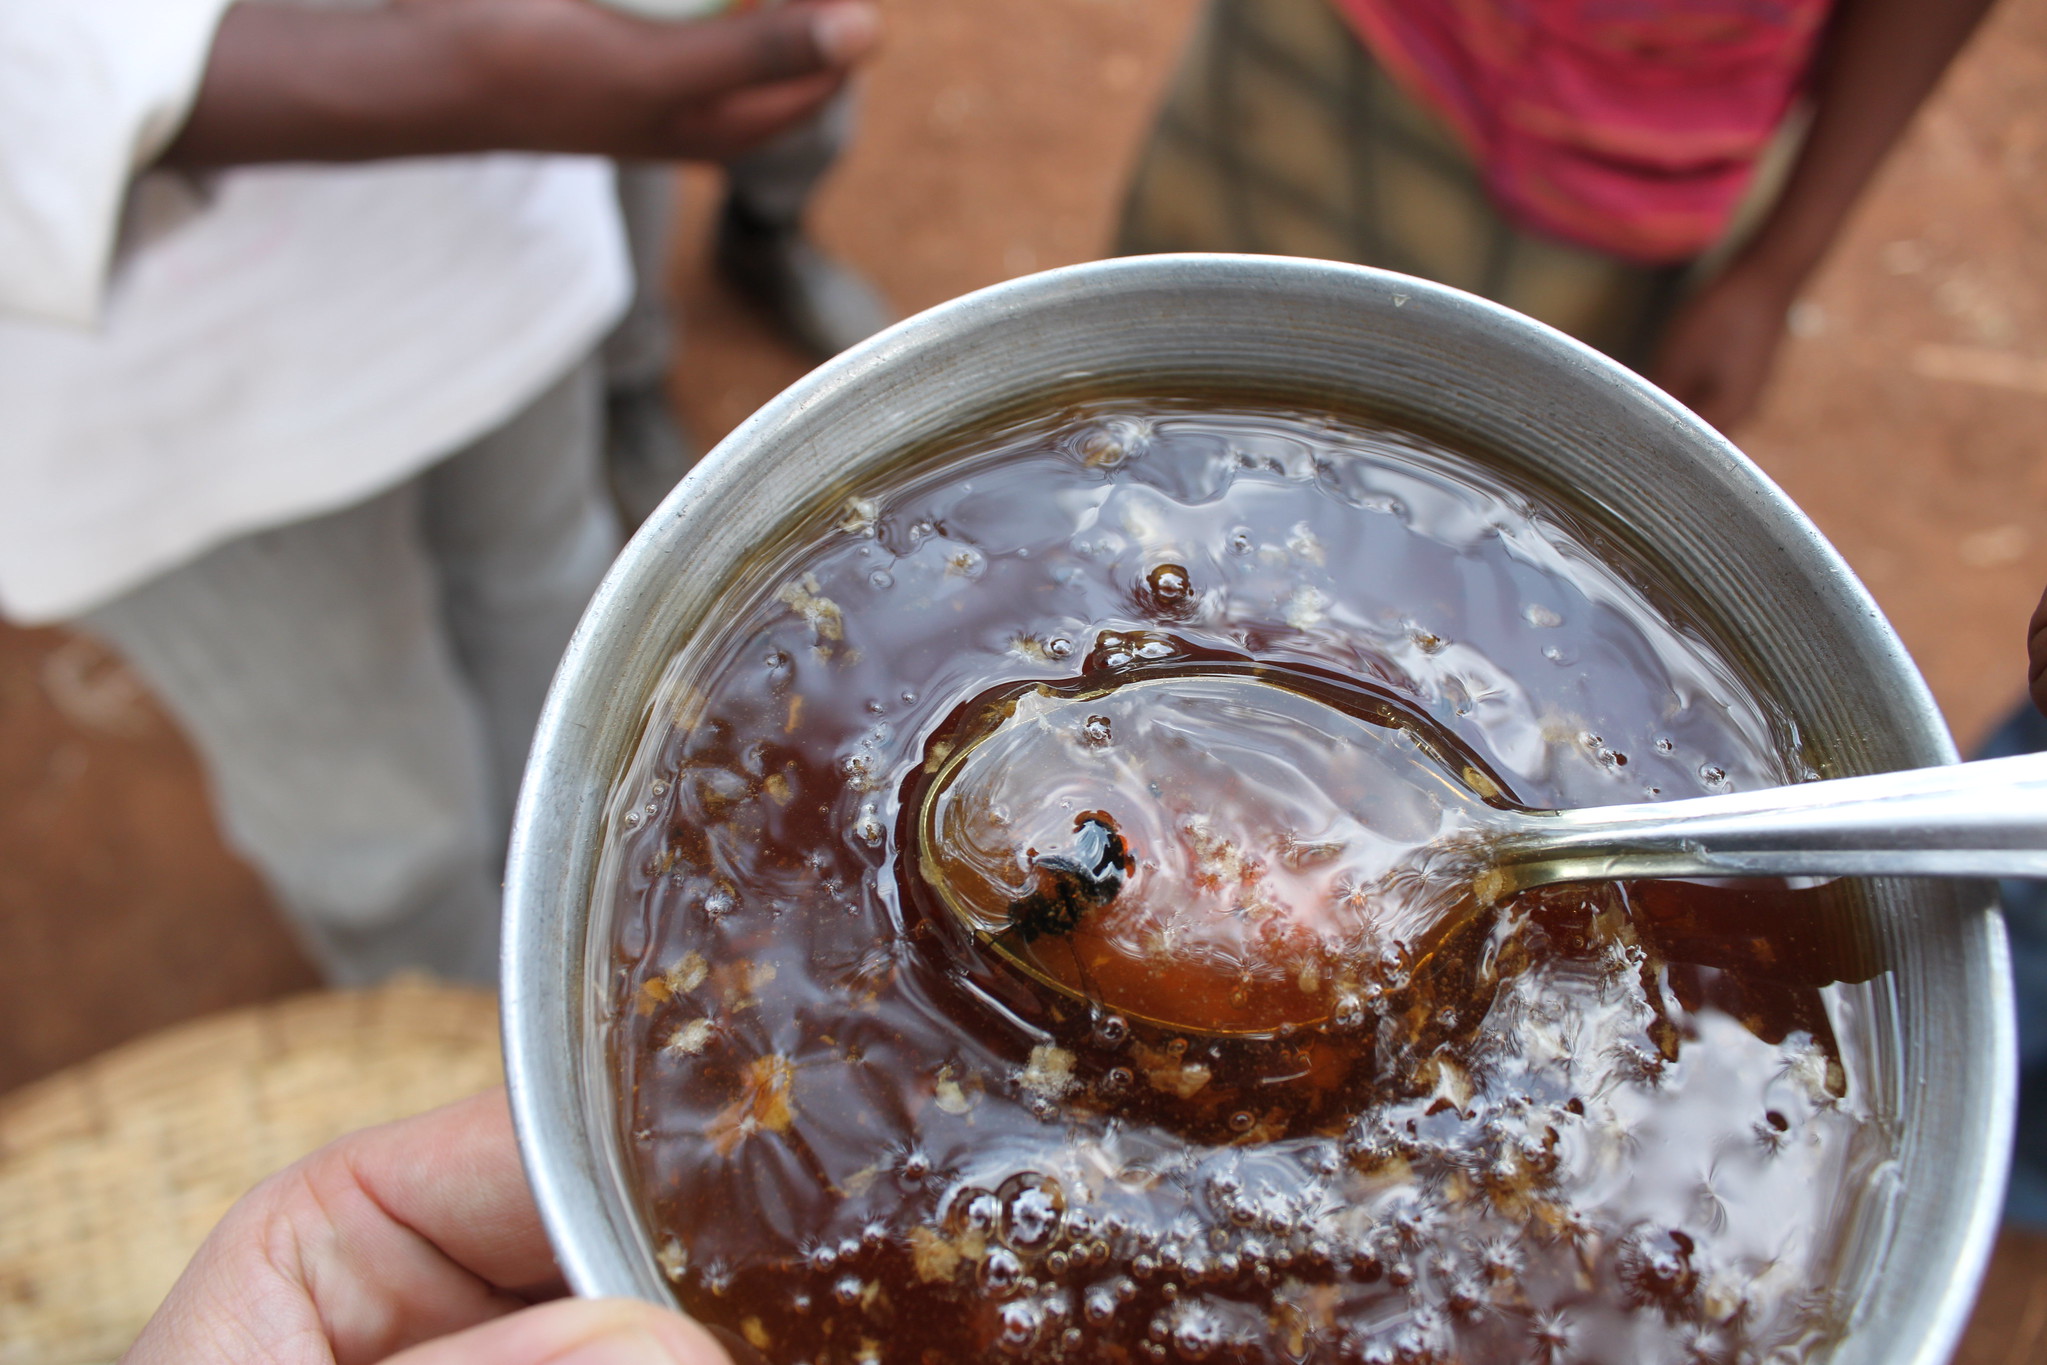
[575, 1332]
[773, 44]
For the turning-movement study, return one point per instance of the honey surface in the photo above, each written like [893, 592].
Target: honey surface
[1603, 1123]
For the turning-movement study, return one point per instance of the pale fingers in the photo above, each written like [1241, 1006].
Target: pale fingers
[575, 1332]
[453, 1177]
[387, 1238]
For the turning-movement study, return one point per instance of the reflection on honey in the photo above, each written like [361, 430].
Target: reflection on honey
[1602, 1123]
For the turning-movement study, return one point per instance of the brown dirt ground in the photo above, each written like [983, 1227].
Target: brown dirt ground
[1905, 418]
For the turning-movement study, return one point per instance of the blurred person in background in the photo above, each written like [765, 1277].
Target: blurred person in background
[299, 402]
[1657, 178]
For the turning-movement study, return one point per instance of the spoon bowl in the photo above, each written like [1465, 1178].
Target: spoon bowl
[1266, 827]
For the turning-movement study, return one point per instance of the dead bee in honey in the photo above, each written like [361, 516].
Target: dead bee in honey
[1070, 884]
[1086, 877]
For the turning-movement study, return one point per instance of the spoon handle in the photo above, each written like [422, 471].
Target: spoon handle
[1982, 819]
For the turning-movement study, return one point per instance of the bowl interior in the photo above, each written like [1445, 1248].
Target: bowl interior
[1528, 401]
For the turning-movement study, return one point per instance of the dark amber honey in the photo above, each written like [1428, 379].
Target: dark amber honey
[1605, 1123]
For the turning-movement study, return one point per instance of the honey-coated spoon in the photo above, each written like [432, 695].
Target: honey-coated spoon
[1230, 851]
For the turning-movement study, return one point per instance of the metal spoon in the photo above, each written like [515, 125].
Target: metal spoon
[1982, 819]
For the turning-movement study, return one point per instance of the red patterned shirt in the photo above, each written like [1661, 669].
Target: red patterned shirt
[1630, 126]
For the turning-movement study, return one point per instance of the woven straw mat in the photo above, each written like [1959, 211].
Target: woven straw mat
[112, 1173]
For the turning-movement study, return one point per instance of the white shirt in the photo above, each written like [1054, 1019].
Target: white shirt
[184, 363]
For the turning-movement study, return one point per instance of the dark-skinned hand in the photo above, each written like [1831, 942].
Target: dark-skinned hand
[2036, 655]
[433, 77]
[1717, 352]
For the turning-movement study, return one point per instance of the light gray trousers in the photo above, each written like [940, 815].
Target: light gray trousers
[362, 687]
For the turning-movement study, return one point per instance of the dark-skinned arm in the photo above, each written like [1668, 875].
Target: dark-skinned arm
[1878, 62]
[431, 77]
[2036, 655]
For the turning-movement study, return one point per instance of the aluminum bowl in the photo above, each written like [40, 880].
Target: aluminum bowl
[1545, 409]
